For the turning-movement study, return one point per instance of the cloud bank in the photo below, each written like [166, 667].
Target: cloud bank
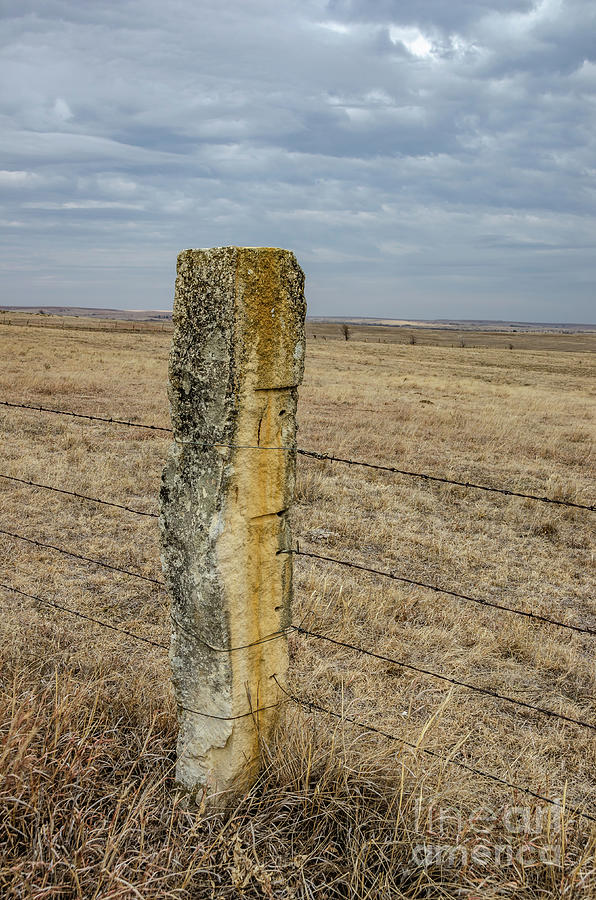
[422, 158]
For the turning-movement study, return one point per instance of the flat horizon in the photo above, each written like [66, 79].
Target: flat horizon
[95, 311]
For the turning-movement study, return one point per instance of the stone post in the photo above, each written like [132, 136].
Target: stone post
[236, 362]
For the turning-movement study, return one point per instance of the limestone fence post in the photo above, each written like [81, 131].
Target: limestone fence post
[236, 361]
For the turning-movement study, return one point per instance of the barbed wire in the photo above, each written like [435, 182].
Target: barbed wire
[251, 712]
[385, 574]
[80, 615]
[300, 630]
[438, 590]
[138, 637]
[467, 484]
[48, 487]
[311, 705]
[455, 681]
[204, 445]
[273, 636]
[74, 415]
[313, 454]
[96, 562]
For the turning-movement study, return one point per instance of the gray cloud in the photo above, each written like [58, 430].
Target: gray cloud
[422, 158]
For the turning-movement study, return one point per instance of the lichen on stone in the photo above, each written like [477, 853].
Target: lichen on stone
[233, 378]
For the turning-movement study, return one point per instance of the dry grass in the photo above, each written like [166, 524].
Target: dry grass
[88, 806]
[507, 338]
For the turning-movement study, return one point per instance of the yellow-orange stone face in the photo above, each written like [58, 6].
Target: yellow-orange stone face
[236, 362]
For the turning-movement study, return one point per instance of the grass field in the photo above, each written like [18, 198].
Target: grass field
[88, 807]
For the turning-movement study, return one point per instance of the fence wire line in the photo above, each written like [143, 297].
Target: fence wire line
[299, 629]
[251, 712]
[47, 487]
[63, 412]
[137, 637]
[80, 615]
[313, 454]
[465, 684]
[311, 705]
[305, 703]
[488, 603]
[96, 562]
[455, 594]
[274, 636]
[438, 590]
[466, 484]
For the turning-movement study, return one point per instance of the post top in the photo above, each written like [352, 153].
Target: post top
[232, 247]
[252, 297]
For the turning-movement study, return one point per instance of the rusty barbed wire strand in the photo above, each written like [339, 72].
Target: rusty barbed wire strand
[314, 454]
[385, 574]
[48, 487]
[274, 636]
[470, 687]
[111, 421]
[232, 446]
[62, 412]
[297, 628]
[80, 615]
[251, 712]
[311, 705]
[137, 637]
[455, 594]
[96, 562]
[467, 484]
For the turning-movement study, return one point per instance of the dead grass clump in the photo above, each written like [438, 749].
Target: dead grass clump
[311, 486]
[88, 808]
[546, 527]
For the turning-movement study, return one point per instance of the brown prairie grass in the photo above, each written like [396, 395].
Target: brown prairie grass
[88, 805]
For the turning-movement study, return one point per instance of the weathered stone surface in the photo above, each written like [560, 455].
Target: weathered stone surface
[236, 362]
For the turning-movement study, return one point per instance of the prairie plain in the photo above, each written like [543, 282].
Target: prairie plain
[88, 806]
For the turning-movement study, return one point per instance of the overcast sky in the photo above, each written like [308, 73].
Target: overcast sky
[423, 158]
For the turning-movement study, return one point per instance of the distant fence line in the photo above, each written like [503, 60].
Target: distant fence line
[127, 327]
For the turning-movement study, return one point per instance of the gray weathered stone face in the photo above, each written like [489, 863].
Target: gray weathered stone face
[236, 362]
